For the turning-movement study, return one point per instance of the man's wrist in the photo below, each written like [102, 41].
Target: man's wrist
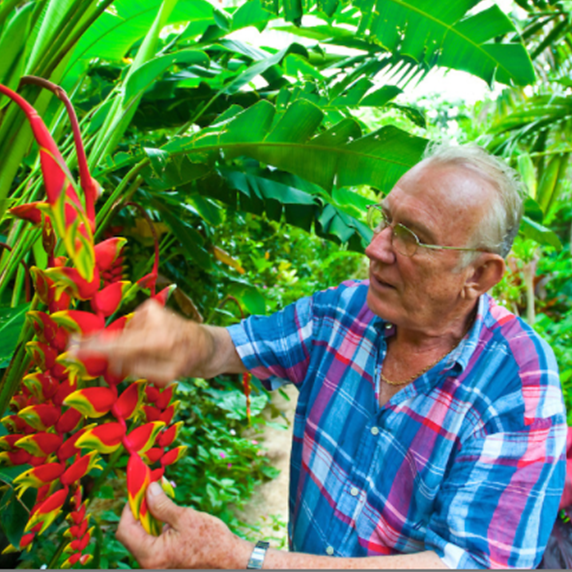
[257, 556]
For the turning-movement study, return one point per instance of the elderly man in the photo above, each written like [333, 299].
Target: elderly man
[430, 426]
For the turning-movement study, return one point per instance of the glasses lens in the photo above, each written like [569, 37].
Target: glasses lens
[404, 241]
[376, 219]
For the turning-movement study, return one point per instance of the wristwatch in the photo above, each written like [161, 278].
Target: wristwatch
[257, 556]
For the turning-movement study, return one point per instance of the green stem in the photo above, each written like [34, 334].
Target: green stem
[104, 213]
[24, 245]
[7, 7]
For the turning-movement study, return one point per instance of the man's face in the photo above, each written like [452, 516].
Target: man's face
[442, 205]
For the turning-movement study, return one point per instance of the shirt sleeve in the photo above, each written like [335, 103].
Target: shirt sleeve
[497, 506]
[276, 349]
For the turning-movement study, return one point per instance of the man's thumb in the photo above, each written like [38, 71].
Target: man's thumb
[161, 506]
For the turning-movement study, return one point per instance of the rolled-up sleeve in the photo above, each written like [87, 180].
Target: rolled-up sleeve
[497, 506]
[276, 349]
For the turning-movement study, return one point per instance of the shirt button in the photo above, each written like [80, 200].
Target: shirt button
[354, 492]
[330, 550]
[374, 430]
[388, 326]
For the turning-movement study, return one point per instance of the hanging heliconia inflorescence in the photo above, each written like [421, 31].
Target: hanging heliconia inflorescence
[50, 425]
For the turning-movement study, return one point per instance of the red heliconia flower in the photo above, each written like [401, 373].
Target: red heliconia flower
[142, 438]
[43, 355]
[69, 279]
[40, 444]
[68, 421]
[12, 458]
[138, 478]
[149, 281]
[153, 455]
[16, 424]
[29, 212]
[79, 322]
[173, 455]
[163, 296]
[66, 388]
[152, 393]
[38, 476]
[170, 434]
[86, 367]
[128, 401]
[152, 413]
[69, 448]
[92, 401]
[40, 417]
[41, 384]
[157, 474]
[107, 252]
[48, 331]
[8, 442]
[165, 397]
[48, 510]
[107, 301]
[168, 414]
[79, 469]
[103, 438]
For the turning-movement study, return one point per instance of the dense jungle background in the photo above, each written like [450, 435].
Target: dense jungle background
[243, 141]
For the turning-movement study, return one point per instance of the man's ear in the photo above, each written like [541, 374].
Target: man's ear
[487, 270]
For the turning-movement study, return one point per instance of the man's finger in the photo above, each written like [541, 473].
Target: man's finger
[162, 507]
[132, 535]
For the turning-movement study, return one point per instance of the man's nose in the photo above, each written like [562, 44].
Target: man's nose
[380, 247]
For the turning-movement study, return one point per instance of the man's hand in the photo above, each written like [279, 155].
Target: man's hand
[160, 346]
[190, 539]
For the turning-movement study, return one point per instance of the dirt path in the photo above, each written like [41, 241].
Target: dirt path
[268, 507]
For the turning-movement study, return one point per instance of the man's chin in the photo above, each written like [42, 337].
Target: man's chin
[380, 305]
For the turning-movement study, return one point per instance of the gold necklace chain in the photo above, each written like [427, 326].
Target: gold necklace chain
[425, 369]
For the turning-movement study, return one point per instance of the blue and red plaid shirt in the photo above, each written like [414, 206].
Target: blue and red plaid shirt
[468, 460]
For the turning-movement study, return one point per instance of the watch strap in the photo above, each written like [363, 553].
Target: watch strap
[257, 556]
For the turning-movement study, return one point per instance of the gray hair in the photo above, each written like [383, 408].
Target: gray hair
[500, 225]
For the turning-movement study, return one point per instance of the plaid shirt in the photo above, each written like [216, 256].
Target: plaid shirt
[468, 460]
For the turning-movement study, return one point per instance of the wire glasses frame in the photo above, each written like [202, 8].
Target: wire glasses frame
[404, 240]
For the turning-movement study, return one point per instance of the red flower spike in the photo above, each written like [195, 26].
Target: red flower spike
[41, 384]
[16, 424]
[92, 401]
[7, 442]
[69, 448]
[170, 434]
[143, 438]
[151, 413]
[128, 401]
[76, 321]
[48, 331]
[173, 455]
[20, 401]
[83, 367]
[78, 515]
[150, 524]
[27, 539]
[73, 559]
[13, 458]
[47, 511]
[168, 414]
[41, 444]
[80, 468]
[157, 474]
[165, 397]
[62, 303]
[138, 478]
[163, 296]
[29, 212]
[40, 417]
[69, 280]
[152, 393]
[38, 477]
[107, 252]
[43, 355]
[68, 421]
[107, 301]
[41, 284]
[102, 438]
[66, 388]
[119, 324]
[153, 455]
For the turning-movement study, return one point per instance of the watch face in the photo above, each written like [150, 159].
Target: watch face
[257, 556]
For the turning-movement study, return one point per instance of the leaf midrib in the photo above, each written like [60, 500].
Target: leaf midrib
[450, 29]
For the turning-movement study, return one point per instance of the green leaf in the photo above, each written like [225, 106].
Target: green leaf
[539, 233]
[146, 75]
[250, 297]
[381, 96]
[440, 33]
[14, 514]
[251, 14]
[11, 323]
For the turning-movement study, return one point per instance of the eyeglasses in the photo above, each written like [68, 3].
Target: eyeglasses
[404, 240]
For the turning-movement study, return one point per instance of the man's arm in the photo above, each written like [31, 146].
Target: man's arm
[160, 346]
[192, 539]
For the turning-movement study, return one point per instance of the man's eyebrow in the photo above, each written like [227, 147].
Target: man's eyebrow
[417, 227]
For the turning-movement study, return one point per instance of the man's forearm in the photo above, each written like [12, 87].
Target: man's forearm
[219, 353]
[279, 560]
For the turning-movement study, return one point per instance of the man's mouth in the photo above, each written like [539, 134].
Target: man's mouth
[379, 283]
